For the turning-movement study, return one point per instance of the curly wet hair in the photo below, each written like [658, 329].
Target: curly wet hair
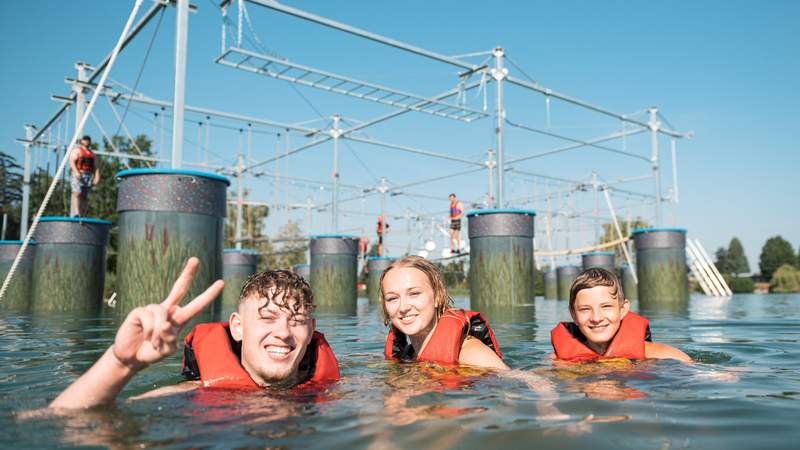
[286, 289]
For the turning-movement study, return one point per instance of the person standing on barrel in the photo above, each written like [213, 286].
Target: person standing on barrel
[85, 174]
[456, 213]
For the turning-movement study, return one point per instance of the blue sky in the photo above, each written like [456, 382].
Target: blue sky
[725, 70]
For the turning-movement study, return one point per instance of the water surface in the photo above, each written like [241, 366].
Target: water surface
[744, 393]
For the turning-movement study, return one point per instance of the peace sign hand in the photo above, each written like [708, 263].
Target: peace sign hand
[150, 333]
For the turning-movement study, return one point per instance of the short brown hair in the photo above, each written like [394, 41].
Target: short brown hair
[441, 298]
[286, 289]
[594, 277]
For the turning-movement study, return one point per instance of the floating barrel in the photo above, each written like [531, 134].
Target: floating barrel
[661, 267]
[165, 217]
[18, 294]
[334, 265]
[237, 266]
[375, 267]
[69, 270]
[566, 275]
[550, 284]
[629, 283]
[602, 260]
[501, 257]
[304, 270]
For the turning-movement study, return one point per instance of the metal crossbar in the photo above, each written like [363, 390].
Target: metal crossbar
[283, 69]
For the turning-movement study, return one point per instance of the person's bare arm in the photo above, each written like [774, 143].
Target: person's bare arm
[96, 179]
[147, 335]
[185, 386]
[654, 350]
[476, 353]
[73, 161]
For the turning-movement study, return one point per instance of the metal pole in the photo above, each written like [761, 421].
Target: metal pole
[499, 73]
[80, 96]
[655, 161]
[5, 224]
[596, 208]
[239, 199]
[26, 184]
[490, 164]
[619, 233]
[335, 132]
[181, 35]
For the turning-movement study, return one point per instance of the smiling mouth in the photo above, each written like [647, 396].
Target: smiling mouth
[278, 352]
[598, 328]
[409, 319]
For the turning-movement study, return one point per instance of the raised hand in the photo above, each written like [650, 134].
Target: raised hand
[150, 333]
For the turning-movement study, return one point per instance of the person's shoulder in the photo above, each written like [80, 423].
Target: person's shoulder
[185, 386]
[476, 353]
[656, 350]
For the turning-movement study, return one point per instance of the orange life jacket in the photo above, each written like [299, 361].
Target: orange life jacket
[445, 344]
[85, 161]
[212, 356]
[568, 341]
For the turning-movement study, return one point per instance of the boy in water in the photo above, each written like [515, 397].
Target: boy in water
[603, 327]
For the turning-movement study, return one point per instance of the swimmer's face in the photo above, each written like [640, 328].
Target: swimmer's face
[452, 198]
[599, 314]
[274, 339]
[410, 301]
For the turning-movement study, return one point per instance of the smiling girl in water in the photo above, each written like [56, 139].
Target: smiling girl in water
[423, 325]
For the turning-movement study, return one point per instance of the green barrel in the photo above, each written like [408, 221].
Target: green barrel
[69, 270]
[304, 270]
[237, 266]
[661, 267]
[566, 275]
[602, 260]
[18, 294]
[165, 217]
[375, 267]
[501, 257]
[550, 284]
[629, 283]
[334, 266]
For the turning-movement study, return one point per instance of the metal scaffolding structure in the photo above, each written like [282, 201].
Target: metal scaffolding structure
[499, 165]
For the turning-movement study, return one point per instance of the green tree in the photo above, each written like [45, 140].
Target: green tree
[735, 258]
[776, 252]
[785, 279]
[722, 260]
[610, 234]
[10, 193]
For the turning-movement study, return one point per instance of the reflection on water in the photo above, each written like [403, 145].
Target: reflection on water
[743, 393]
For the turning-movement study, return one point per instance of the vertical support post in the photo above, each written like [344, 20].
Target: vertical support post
[673, 144]
[181, 36]
[655, 160]
[499, 73]
[26, 184]
[335, 132]
[239, 199]
[5, 224]
[596, 213]
[80, 98]
[490, 164]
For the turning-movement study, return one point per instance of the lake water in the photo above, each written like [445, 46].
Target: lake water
[743, 393]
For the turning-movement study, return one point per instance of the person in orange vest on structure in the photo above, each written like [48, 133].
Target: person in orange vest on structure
[381, 229]
[85, 168]
[456, 213]
[424, 325]
[269, 341]
[603, 326]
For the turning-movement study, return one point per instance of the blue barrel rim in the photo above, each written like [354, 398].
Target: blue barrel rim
[478, 212]
[654, 230]
[12, 242]
[380, 258]
[599, 253]
[195, 173]
[296, 266]
[332, 235]
[75, 219]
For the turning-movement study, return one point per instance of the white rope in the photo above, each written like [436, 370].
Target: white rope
[573, 251]
[78, 131]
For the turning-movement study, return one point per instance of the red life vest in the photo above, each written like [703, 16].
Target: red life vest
[85, 161]
[568, 342]
[212, 356]
[445, 344]
[456, 209]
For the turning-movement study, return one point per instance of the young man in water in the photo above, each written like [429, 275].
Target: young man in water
[268, 342]
[603, 327]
